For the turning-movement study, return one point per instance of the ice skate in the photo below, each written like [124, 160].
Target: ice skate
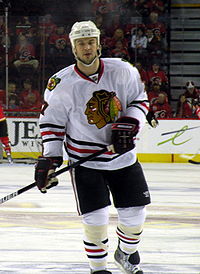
[128, 263]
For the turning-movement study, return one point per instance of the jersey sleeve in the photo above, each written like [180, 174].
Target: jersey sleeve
[52, 124]
[137, 102]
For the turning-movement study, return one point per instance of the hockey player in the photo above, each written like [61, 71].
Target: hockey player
[90, 105]
[4, 139]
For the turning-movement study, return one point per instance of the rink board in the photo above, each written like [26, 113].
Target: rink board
[167, 143]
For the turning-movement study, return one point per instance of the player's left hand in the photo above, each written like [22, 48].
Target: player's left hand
[123, 132]
[151, 119]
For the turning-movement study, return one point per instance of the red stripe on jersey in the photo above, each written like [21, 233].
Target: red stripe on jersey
[82, 150]
[145, 105]
[94, 250]
[52, 132]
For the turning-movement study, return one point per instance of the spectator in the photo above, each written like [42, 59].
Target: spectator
[156, 73]
[130, 28]
[118, 35]
[155, 6]
[11, 91]
[189, 102]
[154, 90]
[58, 36]
[31, 103]
[46, 25]
[156, 47]
[106, 8]
[13, 102]
[120, 51]
[60, 54]
[25, 54]
[142, 9]
[138, 45]
[153, 24]
[12, 88]
[30, 98]
[149, 35]
[160, 107]
[102, 7]
[13, 95]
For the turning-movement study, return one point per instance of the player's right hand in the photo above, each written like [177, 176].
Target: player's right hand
[46, 166]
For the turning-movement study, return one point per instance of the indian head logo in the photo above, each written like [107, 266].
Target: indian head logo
[103, 108]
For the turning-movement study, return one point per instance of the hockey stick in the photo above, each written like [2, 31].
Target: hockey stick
[193, 162]
[83, 160]
[189, 158]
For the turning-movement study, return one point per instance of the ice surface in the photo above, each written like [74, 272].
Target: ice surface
[42, 233]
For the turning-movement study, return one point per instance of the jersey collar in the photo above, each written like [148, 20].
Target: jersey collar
[99, 72]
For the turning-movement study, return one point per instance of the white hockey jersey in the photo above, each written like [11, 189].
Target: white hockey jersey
[79, 110]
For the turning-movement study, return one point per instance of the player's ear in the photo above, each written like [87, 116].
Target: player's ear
[99, 48]
[74, 51]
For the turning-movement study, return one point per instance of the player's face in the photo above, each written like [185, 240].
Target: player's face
[86, 49]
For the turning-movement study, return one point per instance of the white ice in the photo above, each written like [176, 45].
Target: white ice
[42, 233]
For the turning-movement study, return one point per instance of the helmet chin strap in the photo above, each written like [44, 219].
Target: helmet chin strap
[93, 61]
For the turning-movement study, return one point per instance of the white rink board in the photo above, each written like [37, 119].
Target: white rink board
[25, 136]
[165, 139]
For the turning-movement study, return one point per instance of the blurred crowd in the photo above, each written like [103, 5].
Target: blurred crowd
[136, 30]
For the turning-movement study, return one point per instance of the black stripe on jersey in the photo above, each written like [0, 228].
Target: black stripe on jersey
[138, 102]
[51, 139]
[84, 142]
[139, 108]
[51, 125]
[97, 257]
[98, 159]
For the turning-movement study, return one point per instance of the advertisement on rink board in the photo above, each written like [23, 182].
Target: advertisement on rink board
[170, 137]
[25, 137]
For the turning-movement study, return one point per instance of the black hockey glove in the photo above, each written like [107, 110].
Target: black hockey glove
[45, 166]
[151, 119]
[123, 132]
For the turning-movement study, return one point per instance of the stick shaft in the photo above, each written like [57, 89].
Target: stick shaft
[16, 193]
[83, 160]
[193, 162]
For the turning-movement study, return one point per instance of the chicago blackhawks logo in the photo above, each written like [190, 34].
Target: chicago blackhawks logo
[52, 83]
[103, 108]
